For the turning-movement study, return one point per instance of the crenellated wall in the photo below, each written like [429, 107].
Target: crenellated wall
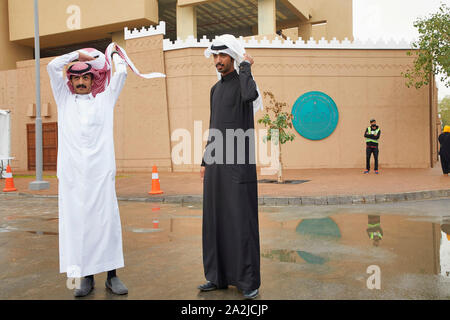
[364, 80]
[364, 84]
[142, 133]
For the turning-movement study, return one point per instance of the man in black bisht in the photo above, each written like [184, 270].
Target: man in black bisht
[231, 254]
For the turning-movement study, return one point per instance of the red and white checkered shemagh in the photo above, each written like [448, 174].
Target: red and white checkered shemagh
[101, 68]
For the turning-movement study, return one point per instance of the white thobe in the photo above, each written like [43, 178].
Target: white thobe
[444, 254]
[90, 234]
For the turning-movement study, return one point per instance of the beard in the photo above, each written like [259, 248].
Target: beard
[223, 68]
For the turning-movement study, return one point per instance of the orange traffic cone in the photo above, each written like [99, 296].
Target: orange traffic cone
[155, 182]
[9, 186]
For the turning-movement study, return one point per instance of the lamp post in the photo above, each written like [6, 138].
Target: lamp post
[38, 184]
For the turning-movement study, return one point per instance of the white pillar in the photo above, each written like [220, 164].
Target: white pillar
[186, 22]
[267, 21]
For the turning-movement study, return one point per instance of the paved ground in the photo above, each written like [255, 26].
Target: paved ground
[307, 252]
[322, 183]
[296, 262]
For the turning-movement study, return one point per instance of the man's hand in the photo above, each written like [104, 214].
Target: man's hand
[202, 173]
[84, 57]
[249, 58]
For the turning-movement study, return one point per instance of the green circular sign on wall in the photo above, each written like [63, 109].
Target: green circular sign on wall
[315, 115]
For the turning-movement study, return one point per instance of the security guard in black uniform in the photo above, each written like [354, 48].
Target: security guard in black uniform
[372, 134]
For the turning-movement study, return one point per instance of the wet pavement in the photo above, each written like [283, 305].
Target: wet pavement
[307, 252]
[320, 183]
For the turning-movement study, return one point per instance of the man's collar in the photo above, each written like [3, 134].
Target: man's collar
[88, 96]
[229, 76]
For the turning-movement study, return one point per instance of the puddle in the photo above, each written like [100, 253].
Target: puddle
[307, 252]
[347, 242]
[7, 229]
[290, 256]
[146, 230]
[13, 218]
[284, 182]
[51, 219]
[44, 233]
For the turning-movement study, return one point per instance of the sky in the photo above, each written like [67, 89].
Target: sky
[393, 19]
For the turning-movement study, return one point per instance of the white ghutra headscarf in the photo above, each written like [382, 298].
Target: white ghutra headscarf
[229, 45]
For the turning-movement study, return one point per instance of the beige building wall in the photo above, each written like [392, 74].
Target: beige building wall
[338, 15]
[364, 84]
[10, 52]
[141, 118]
[142, 133]
[18, 93]
[67, 22]
[60, 26]
[71, 21]
[189, 80]
[435, 129]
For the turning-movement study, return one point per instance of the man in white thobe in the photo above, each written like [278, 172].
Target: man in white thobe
[90, 234]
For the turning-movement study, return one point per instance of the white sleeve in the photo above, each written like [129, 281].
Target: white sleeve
[119, 77]
[55, 71]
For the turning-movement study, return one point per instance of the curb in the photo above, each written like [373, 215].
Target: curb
[286, 201]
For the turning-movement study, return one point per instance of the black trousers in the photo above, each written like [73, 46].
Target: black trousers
[445, 165]
[369, 151]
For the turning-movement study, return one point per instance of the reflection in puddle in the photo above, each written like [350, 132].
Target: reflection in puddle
[142, 230]
[7, 229]
[44, 233]
[280, 255]
[444, 250]
[308, 252]
[319, 231]
[311, 258]
[291, 256]
[12, 218]
[374, 229]
[349, 243]
[325, 227]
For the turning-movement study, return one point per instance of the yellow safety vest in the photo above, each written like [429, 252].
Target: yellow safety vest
[376, 234]
[369, 131]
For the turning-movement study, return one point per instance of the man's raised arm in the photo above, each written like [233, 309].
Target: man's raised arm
[248, 85]
[55, 71]
[119, 77]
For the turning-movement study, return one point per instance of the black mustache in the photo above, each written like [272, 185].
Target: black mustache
[219, 64]
[81, 86]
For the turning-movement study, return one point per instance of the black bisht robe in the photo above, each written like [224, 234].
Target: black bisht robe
[444, 140]
[444, 152]
[231, 253]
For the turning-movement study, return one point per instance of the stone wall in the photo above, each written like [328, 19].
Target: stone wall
[363, 79]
